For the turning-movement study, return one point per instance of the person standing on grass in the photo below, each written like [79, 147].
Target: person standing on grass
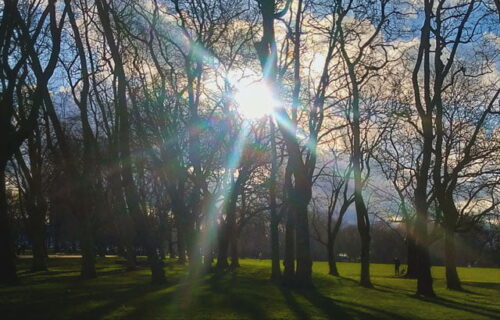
[397, 263]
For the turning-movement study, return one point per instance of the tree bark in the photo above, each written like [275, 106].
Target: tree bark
[411, 257]
[289, 259]
[235, 259]
[7, 256]
[303, 275]
[222, 263]
[275, 245]
[181, 243]
[87, 246]
[332, 263]
[38, 240]
[452, 279]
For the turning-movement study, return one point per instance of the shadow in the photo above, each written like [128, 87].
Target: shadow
[238, 292]
[345, 310]
[331, 308]
[480, 310]
[292, 303]
[484, 285]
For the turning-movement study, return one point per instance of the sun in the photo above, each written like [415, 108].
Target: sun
[254, 101]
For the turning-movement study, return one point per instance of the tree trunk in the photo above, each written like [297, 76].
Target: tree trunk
[87, 247]
[171, 251]
[275, 245]
[332, 261]
[289, 261]
[452, 279]
[222, 263]
[235, 261]
[181, 238]
[141, 222]
[424, 277]
[365, 259]
[303, 275]
[181, 245]
[126, 232]
[411, 257]
[38, 241]
[275, 249]
[7, 256]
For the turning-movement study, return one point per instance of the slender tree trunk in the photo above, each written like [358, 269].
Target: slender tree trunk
[363, 221]
[126, 231]
[332, 261]
[7, 256]
[275, 245]
[289, 261]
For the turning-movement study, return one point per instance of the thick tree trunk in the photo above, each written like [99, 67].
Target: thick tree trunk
[222, 263]
[361, 214]
[170, 239]
[7, 257]
[193, 247]
[303, 275]
[452, 279]
[424, 277]
[235, 260]
[411, 257]
[181, 246]
[38, 241]
[87, 246]
[365, 260]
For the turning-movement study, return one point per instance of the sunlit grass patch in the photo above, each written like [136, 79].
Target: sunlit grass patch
[244, 294]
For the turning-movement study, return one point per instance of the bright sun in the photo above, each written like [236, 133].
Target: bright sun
[255, 100]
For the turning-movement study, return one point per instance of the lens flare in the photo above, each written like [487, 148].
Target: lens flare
[254, 101]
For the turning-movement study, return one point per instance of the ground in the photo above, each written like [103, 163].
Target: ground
[245, 294]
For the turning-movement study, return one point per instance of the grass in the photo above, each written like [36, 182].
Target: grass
[245, 294]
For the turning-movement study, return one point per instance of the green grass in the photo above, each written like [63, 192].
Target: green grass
[245, 294]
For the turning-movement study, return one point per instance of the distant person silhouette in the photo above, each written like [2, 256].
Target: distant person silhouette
[397, 263]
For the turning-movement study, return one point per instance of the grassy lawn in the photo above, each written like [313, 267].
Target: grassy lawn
[245, 294]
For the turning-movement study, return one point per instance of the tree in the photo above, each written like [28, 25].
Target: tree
[18, 121]
[122, 114]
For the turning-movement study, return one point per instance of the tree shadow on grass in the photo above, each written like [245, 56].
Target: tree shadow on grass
[484, 285]
[293, 304]
[33, 278]
[239, 293]
[336, 309]
[205, 297]
[480, 310]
